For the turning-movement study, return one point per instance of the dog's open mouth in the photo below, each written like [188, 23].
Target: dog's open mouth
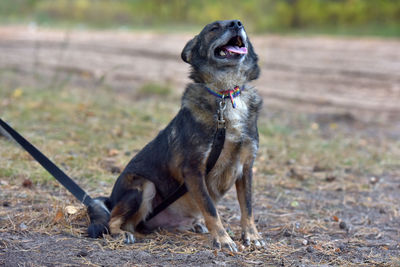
[235, 48]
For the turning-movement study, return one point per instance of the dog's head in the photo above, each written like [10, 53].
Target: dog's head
[222, 47]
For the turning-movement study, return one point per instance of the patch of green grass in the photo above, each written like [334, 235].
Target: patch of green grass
[273, 129]
[78, 130]
[7, 172]
[153, 89]
[304, 147]
[386, 31]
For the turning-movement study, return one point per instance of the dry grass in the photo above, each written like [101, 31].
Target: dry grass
[324, 194]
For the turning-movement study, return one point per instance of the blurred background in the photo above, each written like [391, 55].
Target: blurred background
[366, 17]
[317, 56]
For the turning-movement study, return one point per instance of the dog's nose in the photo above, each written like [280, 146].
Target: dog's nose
[235, 24]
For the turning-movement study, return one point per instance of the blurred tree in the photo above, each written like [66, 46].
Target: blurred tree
[259, 15]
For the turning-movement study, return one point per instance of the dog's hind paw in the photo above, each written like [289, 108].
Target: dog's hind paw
[129, 238]
[97, 230]
[199, 228]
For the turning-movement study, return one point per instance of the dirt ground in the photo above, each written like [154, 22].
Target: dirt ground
[355, 76]
[346, 219]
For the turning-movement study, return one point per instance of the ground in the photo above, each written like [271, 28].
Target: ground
[327, 176]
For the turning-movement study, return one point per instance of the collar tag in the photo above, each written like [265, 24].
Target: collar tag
[221, 120]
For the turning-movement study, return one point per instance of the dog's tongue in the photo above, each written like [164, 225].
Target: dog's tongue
[236, 49]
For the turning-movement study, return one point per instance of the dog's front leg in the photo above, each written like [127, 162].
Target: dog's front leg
[244, 194]
[197, 188]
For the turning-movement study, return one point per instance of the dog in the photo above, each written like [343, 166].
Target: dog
[221, 59]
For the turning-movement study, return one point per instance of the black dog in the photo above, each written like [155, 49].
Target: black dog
[223, 63]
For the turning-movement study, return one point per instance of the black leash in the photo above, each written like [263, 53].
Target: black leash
[218, 144]
[57, 173]
[216, 149]
[71, 186]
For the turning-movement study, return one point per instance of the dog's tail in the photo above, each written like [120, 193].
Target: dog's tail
[99, 215]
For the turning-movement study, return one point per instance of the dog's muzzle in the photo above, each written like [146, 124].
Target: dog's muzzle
[234, 46]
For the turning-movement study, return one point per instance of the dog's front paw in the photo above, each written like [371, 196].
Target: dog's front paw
[223, 241]
[251, 236]
[127, 237]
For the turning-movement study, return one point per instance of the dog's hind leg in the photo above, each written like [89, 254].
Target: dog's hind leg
[132, 208]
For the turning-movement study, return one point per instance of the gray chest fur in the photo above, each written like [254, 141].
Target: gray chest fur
[239, 149]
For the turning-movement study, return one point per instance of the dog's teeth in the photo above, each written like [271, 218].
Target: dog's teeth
[222, 53]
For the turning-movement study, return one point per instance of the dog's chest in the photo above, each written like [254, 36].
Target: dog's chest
[238, 148]
[236, 120]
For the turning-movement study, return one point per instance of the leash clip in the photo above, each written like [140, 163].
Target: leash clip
[221, 120]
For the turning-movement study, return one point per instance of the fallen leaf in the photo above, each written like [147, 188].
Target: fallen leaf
[317, 247]
[314, 126]
[27, 183]
[17, 93]
[335, 218]
[333, 126]
[71, 209]
[113, 152]
[82, 107]
[59, 216]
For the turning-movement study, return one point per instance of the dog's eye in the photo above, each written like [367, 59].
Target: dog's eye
[214, 28]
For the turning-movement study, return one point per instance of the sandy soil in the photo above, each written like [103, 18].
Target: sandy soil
[313, 74]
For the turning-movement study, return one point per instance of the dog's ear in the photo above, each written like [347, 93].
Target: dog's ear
[254, 71]
[187, 52]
